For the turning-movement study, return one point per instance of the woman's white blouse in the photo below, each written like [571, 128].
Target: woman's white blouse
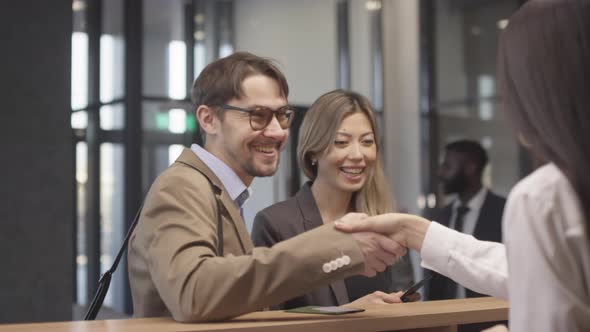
[546, 251]
[548, 255]
[477, 265]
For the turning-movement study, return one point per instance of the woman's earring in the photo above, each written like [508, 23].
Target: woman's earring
[313, 162]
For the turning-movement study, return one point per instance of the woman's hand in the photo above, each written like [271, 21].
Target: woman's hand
[406, 229]
[379, 297]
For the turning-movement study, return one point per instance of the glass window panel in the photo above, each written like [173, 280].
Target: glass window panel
[177, 69]
[199, 58]
[177, 121]
[112, 117]
[79, 120]
[79, 79]
[486, 93]
[225, 49]
[112, 225]
[191, 122]
[365, 49]
[112, 51]
[79, 70]
[174, 151]
[360, 45]
[205, 34]
[157, 157]
[154, 116]
[466, 36]
[81, 258]
[164, 48]
[79, 15]
[163, 117]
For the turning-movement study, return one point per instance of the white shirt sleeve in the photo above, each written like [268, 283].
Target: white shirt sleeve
[548, 256]
[478, 265]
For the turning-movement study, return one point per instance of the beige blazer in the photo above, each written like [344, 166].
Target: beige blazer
[174, 268]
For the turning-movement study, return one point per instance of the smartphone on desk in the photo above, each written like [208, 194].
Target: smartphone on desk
[414, 288]
[324, 310]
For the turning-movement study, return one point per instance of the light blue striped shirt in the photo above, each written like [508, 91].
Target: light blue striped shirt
[230, 180]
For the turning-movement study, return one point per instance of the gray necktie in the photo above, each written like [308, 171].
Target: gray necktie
[461, 211]
[241, 199]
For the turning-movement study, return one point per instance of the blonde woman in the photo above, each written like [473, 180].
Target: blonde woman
[339, 152]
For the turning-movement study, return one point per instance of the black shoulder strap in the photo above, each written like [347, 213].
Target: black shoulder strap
[219, 225]
[105, 279]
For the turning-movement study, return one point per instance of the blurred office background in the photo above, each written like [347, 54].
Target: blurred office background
[97, 104]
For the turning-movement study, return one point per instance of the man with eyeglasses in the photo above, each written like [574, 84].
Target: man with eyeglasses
[190, 255]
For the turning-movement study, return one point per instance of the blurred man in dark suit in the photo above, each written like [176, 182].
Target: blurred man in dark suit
[476, 210]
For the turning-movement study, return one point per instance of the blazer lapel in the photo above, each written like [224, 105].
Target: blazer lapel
[238, 222]
[188, 157]
[308, 208]
[312, 219]
[487, 221]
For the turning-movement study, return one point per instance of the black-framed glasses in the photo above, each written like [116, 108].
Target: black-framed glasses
[260, 116]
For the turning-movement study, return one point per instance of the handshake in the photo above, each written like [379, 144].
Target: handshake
[384, 238]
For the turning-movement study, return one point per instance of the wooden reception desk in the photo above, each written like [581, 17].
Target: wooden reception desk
[420, 316]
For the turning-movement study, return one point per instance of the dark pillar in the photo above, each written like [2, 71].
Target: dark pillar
[37, 168]
[133, 118]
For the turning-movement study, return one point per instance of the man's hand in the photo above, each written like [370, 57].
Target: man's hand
[406, 229]
[379, 297]
[379, 251]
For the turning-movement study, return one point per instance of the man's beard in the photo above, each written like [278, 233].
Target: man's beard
[456, 184]
[251, 169]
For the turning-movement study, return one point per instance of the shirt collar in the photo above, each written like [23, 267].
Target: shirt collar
[476, 202]
[230, 180]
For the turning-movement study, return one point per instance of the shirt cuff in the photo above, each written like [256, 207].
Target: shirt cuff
[436, 247]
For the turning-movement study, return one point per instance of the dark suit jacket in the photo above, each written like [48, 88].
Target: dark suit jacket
[299, 214]
[488, 228]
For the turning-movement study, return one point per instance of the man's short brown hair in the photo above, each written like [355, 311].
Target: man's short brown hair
[221, 80]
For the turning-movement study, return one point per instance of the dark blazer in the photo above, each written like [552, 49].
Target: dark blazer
[299, 214]
[488, 228]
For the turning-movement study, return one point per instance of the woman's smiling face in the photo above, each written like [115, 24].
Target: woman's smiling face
[350, 159]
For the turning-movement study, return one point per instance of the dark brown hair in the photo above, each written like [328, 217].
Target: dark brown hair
[222, 80]
[544, 76]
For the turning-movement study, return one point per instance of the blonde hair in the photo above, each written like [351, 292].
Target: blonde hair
[317, 134]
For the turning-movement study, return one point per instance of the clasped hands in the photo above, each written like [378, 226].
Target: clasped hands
[383, 239]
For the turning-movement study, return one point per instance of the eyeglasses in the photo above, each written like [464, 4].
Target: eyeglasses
[260, 116]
